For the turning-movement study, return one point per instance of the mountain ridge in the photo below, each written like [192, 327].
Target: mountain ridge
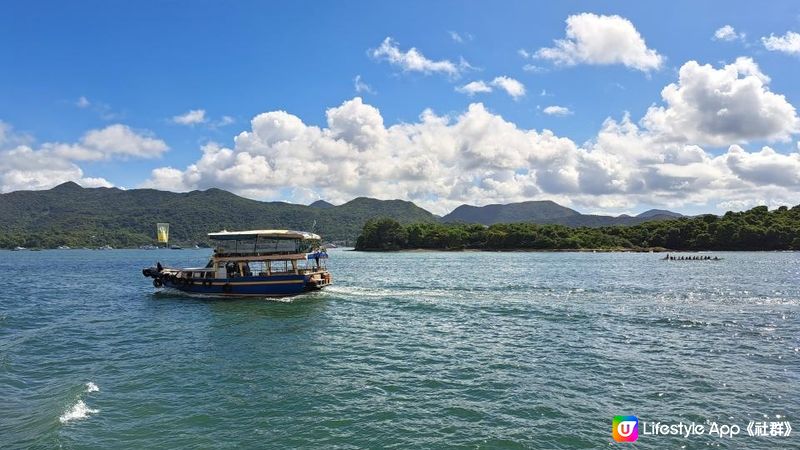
[69, 214]
[547, 212]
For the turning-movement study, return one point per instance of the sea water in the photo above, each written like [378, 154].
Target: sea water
[405, 350]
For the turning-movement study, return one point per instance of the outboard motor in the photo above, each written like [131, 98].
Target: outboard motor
[155, 274]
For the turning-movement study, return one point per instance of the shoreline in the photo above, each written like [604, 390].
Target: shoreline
[564, 250]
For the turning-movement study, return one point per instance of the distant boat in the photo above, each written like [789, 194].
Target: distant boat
[106, 247]
[175, 247]
[690, 258]
[258, 263]
[148, 247]
[64, 247]
[19, 249]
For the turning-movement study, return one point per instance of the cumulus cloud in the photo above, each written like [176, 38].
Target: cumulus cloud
[788, 43]
[722, 106]
[602, 40]
[83, 102]
[476, 157]
[728, 33]
[413, 60]
[512, 87]
[474, 87]
[112, 141]
[360, 86]
[765, 167]
[24, 167]
[555, 110]
[192, 117]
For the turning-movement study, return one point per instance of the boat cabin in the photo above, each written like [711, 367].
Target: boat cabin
[260, 253]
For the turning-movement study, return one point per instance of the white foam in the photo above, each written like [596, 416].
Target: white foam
[78, 411]
[91, 387]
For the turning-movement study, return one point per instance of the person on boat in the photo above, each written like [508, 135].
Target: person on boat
[159, 267]
[316, 258]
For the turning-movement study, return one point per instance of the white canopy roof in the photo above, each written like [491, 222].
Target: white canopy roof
[273, 234]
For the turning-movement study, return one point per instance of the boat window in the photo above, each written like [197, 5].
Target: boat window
[258, 268]
[271, 245]
[279, 266]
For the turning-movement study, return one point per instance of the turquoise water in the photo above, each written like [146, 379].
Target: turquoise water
[410, 350]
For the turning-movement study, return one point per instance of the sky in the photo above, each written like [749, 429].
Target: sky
[607, 107]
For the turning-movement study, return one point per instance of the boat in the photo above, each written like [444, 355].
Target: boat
[106, 247]
[19, 249]
[64, 247]
[175, 247]
[669, 257]
[255, 263]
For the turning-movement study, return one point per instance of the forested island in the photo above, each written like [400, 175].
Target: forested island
[756, 229]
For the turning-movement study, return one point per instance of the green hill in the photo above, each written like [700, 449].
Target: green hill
[756, 229]
[546, 212]
[71, 215]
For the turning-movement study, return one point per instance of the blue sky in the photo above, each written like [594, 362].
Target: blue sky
[142, 64]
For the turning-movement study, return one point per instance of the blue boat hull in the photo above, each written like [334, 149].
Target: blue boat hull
[273, 286]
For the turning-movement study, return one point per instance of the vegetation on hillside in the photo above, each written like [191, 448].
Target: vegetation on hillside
[756, 229]
[77, 217]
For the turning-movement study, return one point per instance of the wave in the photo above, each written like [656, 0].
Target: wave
[78, 411]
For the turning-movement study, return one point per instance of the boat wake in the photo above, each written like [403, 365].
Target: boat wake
[177, 293]
[80, 410]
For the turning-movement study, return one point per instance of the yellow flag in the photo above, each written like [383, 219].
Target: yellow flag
[162, 231]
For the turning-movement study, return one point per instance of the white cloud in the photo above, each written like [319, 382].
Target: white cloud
[53, 163]
[224, 121]
[361, 87]
[555, 110]
[788, 43]
[512, 87]
[103, 110]
[728, 33]
[533, 68]
[192, 117]
[112, 141]
[602, 40]
[414, 61]
[722, 106]
[474, 87]
[23, 168]
[765, 167]
[477, 157]
[460, 37]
